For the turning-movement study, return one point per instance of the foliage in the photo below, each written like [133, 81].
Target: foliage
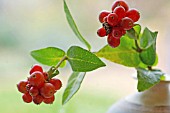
[136, 50]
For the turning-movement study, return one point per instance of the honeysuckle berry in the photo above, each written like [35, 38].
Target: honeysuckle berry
[101, 32]
[112, 19]
[36, 79]
[56, 82]
[133, 14]
[49, 100]
[45, 75]
[22, 86]
[47, 90]
[38, 99]
[120, 11]
[127, 23]
[27, 98]
[117, 22]
[120, 3]
[102, 15]
[112, 41]
[33, 91]
[36, 67]
[117, 33]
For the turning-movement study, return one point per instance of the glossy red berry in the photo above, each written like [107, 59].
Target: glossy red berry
[120, 11]
[112, 41]
[56, 82]
[117, 33]
[47, 90]
[49, 100]
[22, 86]
[36, 67]
[102, 15]
[101, 32]
[27, 98]
[38, 99]
[133, 14]
[127, 23]
[112, 19]
[36, 79]
[33, 91]
[45, 75]
[120, 3]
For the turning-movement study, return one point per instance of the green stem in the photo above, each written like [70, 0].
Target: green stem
[138, 49]
[53, 71]
[60, 62]
[150, 68]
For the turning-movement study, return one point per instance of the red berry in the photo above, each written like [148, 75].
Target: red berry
[27, 98]
[117, 33]
[36, 67]
[101, 32]
[123, 32]
[36, 79]
[56, 82]
[127, 23]
[112, 19]
[49, 100]
[120, 3]
[47, 90]
[38, 99]
[120, 11]
[45, 75]
[112, 41]
[28, 86]
[102, 15]
[22, 86]
[33, 91]
[133, 14]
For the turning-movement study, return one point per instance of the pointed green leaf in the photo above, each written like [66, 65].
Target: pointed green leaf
[148, 38]
[148, 56]
[73, 86]
[137, 29]
[124, 54]
[48, 56]
[74, 26]
[131, 34]
[147, 78]
[82, 60]
[134, 32]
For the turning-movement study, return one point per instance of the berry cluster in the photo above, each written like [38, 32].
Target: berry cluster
[117, 22]
[38, 87]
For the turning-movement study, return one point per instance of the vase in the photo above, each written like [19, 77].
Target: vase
[153, 100]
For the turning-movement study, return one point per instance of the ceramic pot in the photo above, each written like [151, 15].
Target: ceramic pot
[153, 100]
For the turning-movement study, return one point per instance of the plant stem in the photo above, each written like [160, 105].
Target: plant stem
[138, 49]
[61, 61]
[150, 68]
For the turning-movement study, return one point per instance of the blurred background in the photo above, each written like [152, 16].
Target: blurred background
[26, 25]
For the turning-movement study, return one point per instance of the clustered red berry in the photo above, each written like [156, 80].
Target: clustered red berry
[38, 87]
[116, 23]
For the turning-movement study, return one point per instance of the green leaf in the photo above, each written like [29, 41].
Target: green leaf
[147, 78]
[74, 26]
[131, 34]
[134, 32]
[124, 54]
[148, 56]
[82, 60]
[48, 56]
[137, 29]
[148, 38]
[73, 86]
[52, 72]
